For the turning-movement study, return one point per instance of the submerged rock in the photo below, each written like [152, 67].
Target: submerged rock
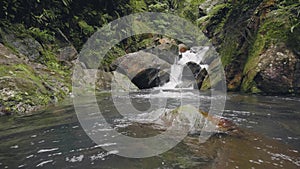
[189, 118]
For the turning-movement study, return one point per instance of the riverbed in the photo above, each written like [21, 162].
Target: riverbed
[54, 138]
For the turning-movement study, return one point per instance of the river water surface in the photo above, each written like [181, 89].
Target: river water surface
[54, 138]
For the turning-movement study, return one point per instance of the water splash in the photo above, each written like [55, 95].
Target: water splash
[195, 55]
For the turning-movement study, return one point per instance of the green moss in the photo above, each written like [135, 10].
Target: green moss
[188, 9]
[217, 19]
[275, 29]
[27, 86]
[228, 50]
[216, 9]
[23, 71]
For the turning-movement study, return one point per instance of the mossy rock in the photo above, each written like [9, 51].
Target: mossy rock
[277, 32]
[26, 86]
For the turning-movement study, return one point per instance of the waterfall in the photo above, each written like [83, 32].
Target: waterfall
[195, 54]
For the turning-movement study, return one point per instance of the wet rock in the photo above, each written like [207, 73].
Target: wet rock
[190, 71]
[150, 78]
[186, 117]
[201, 77]
[144, 69]
[193, 73]
[209, 57]
[215, 78]
[192, 119]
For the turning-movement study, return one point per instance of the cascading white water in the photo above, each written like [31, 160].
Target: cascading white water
[194, 55]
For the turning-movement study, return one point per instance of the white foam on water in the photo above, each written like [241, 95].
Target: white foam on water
[75, 159]
[150, 117]
[103, 154]
[47, 150]
[104, 145]
[195, 55]
[278, 156]
[172, 94]
[43, 163]
[14, 147]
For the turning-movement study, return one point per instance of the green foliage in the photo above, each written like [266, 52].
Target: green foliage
[111, 55]
[42, 35]
[85, 28]
[138, 5]
[45, 17]
[66, 2]
[278, 27]
[159, 7]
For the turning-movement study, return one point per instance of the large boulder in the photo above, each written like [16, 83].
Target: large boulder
[276, 71]
[145, 70]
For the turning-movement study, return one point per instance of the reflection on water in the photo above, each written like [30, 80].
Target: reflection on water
[54, 138]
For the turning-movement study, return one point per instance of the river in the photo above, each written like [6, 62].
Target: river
[53, 138]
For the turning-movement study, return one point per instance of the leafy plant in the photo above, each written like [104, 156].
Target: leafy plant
[42, 35]
[85, 28]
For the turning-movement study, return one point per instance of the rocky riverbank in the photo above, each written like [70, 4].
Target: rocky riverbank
[32, 74]
[259, 44]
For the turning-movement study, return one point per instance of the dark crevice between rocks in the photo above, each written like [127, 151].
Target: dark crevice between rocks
[150, 78]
